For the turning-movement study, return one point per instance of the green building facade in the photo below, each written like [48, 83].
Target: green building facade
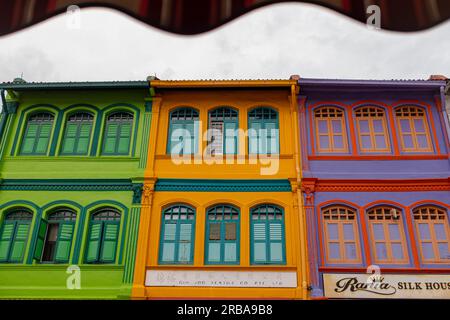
[72, 158]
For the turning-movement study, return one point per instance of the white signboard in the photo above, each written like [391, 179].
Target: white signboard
[250, 279]
[385, 286]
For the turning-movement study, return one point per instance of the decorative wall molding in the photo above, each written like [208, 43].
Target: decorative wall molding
[209, 185]
[311, 185]
[72, 185]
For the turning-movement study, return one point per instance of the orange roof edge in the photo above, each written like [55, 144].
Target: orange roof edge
[220, 83]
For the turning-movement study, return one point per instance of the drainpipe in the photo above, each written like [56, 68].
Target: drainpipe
[445, 108]
[5, 115]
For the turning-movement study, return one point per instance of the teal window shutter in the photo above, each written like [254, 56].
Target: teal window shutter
[103, 236]
[64, 243]
[222, 235]
[183, 131]
[117, 136]
[6, 237]
[267, 235]
[14, 235]
[37, 134]
[77, 134]
[109, 247]
[223, 122]
[39, 248]
[263, 131]
[177, 235]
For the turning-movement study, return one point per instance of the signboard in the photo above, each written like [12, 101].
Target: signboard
[385, 286]
[245, 279]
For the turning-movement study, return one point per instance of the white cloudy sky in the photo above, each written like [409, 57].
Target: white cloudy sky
[271, 42]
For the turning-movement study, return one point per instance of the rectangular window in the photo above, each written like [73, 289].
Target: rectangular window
[330, 130]
[413, 127]
[372, 129]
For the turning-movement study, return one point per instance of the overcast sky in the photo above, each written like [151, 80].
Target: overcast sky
[271, 42]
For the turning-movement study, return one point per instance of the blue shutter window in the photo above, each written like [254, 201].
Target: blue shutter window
[117, 134]
[264, 137]
[177, 235]
[37, 134]
[103, 236]
[58, 236]
[222, 135]
[267, 235]
[222, 235]
[14, 235]
[183, 131]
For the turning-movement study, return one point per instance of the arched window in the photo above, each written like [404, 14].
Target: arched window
[14, 235]
[222, 235]
[413, 126]
[103, 236]
[387, 235]
[55, 236]
[183, 131]
[117, 135]
[372, 129]
[77, 135]
[433, 234]
[341, 235]
[222, 135]
[330, 130]
[177, 235]
[263, 133]
[267, 235]
[37, 134]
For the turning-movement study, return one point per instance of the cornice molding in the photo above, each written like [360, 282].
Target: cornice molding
[209, 185]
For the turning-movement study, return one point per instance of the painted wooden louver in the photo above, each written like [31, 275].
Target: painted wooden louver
[6, 237]
[19, 242]
[111, 233]
[39, 248]
[64, 242]
[94, 242]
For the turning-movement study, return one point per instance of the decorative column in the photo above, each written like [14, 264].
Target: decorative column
[308, 188]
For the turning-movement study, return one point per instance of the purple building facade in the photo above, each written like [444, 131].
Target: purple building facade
[376, 185]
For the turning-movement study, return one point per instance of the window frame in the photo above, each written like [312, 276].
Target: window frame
[413, 132]
[371, 133]
[15, 223]
[184, 123]
[224, 122]
[222, 241]
[38, 132]
[400, 222]
[78, 131]
[118, 137]
[176, 241]
[433, 239]
[341, 235]
[267, 240]
[263, 126]
[101, 241]
[330, 133]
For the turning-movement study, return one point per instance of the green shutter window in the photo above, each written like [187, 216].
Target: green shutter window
[103, 236]
[37, 134]
[59, 229]
[263, 131]
[183, 131]
[42, 232]
[222, 135]
[222, 235]
[267, 235]
[77, 135]
[177, 235]
[117, 136]
[14, 235]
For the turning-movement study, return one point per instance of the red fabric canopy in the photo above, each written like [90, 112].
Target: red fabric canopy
[196, 16]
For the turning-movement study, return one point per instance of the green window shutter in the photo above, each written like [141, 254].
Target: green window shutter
[110, 237]
[259, 243]
[111, 134]
[64, 243]
[276, 242]
[70, 137]
[176, 138]
[29, 139]
[84, 138]
[93, 246]
[185, 243]
[19, 242]
[43, 138]
[168, 242]
[124, 138]
[40, 240]
[5, 240]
